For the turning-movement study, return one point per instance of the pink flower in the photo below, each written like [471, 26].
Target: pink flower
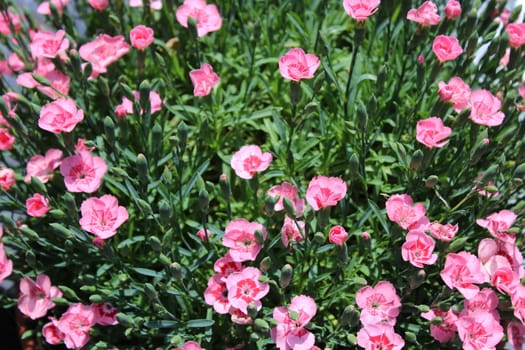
[48, 44]
[479, 331]
[426, 14]
[207, 17]
[292, 231]
[36, 296]
[126, 107]
[141, 37]
[7, 178]
[45, 8]
[290, 332]
[226, 265]
[102, 216]
[42, 167]
[244, 288]
[287, 190]
[60, 115]
[444, 233]
[517, 299]
[6, 265]
[239, 236]
[400, 210]
[446, 48]
[153, 4]
[82, 172]
[296, 65]
[453, 9]
[431, 132]
[103, 51]
[203, 234]
[250, 160]
[485, 108]
[446, 329]
[418, 249]
[99, 4]
[325, 191]
[105, 314]
[190, 345]
[501, 274]
[360, 9]
[516, 33]
[380, 336]
[51, 333]
[380, 304]
[216, 294]
[485, 300]
[76, 324]
[81, 146]
[7, 140]
[8, 18]
[203, 80]
[498, 224]
[15, 63]
[489, 247]
[337, 235]
[455, 91]
[59, 81]
[37, 205]
[463, 271]
[516, 334]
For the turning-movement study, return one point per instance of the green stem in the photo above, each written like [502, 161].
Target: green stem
[358, 37]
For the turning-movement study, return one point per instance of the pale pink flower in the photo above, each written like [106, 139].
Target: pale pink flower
[444, 233]
[503, 17]
[516, 32]
[102, 216]
[8, 18]
[425, 15]
[498, 224]
[296, 65]
[37, 205]
[501, 274]
[486, 300]
[203, 234]
[141, 37]
[380, 304]
[516, 334]
[479, 331]
[432, 132]
[105, 314]
[249, 160]
[463, 271]
[7, 140]
[291, 333]
[126, 107]
[60, 82]
[446, 329]
[504, 61]
[6, 265]
[36, 296]
[15, 63]
[521, 91]
[81, 146]
[418, 249]
[216, 294]
[42, 167]
[83, 172]
[446, 48]
[239, 236]
[207, 17]
[7, 178]
[60, 115]
[103, 51]
[190, 345]
[337, 235]
[244, 288]
[153, 4]
[203, 80]
[287, 190]
[99, 4]
[453, 9]
[455, 91]
[380, 336]
[76, 324]
[360, 9]
[401, 210]
[325, 191]
[45, 7]
[489, 247]
[48, 44]
[5, 68]
[517, 299]
[485, 108]
[51, 333]
[292, 231]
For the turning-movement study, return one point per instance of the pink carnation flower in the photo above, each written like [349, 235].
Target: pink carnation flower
[380, 304]
[99, 5]
[239, 236]
[6, 265]
[48, 44]
[498, 225]
[418, 249]
[432, 132]
[190, 345]
[75, 324]
[7, 140]
[83, 172]
[126, 107]
[296, 65]
[153, 4]
[292, 231]
[141, 37]
[250, 160]
[7, 178]
[207, 17]
[325, 191]
[400, 210]
[485, 108]
[337, 235]
[216, 294]
[290, 333]
[60, 82]
[516, 334]
[360, 9]
[105, 314]
[425, 15]
[45, 7]
[479, 331]
[37, 205]
[463, 271]
[446, 329]
[446, 48]
[516, 32]
[453, 9]
[42, 167]
[102, 216]
[103, 51]
[380, 336]
[287, 190]
[36, 296]
[60, 115]
[203, 80]
[7, 19]
[444, 233]
[455, 91]
[244, 288]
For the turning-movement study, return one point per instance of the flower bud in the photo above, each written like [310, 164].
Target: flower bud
[150, 291]
[289, 208]
[286, 276]
[28, 233]
[164, 259]
[362, 117]
[63, 231]
[177, 271]
[144, 90]
[411, 337]
[520, 171]
[155, 244]
[351, 338]
[319, 238]
[142, 168]
[350, 316]
[353, 166]
[144, 206]
[269, 206]
[515, 13]
[266, 264]
[416, 280]
[103, 86]
[182, 132]
[457, 244]
[57, 213]
[431, 181]
[436, 321]
[417, 158]
[164, 213]
[252, 310]
[96, 298]
[109, 130]
[125, 320]
[176, 340]
[204, 201]
[261, 325]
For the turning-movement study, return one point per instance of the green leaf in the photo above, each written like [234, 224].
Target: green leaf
[200, 323]
[148, 272]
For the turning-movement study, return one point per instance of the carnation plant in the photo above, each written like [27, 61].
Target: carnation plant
[263, 174]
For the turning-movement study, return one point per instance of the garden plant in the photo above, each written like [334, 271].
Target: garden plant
[263, 174]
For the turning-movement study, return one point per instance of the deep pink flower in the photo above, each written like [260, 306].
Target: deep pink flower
[207, 17]
[425, 15]
[7, 140]
[498, 224]
[463, 271]
[291, 333]
[432, 132]
[516, 334]
[48, 44]
[7, 178]
[292, 231]
[42, 167]
[400, 210]
[8, 18]
[485, 108]
[153, 4]
[244, 288]
[103, 51]
[296, 65]
[287, 190]
[216, 294]
[444, 233]
[455, 91]
[250, 160]
[380, 336]
[105, 314]
[6, 265]
[479, 331]
[226, 265]
[60, 115]
[76, 324]
[325, 191]
[418, 249]
[99, 4]
[51, 333]
[36, 296]
[102, 216]
[380, 304]
[126, 107]
[453, 9]
[203, 79]
[360, 9]
[190, 345]
[141, 37]
[446, 48]
[83, 172]
[446, 329]
[45, 8]
[203, 234]
[37, 205]
[239, 236]
[337, 235]
[516, 33]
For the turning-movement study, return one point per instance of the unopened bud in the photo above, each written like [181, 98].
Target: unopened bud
[142, 168]
[125, 320]
[29, 233]
[289, 209]
[457, 244]
[286, 276]
[362, 117]
[155, 244]
[319, 238]
[520, 171]
[431, 181]
[177, 271]
[224, 183]
[204, 201]
[144, 90]
[353, 166]
[417, 158]
[515, 13]
[38, 185]
[416, 280]
[261, 325]
[351, 338]
[252, 310]
[182, 132]
[436, 321]
[150, 291]
[96, 298]
[109, 130]
[350, 316]
[269, 206]
[266, 264]
[411, 337]
[164, 213]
